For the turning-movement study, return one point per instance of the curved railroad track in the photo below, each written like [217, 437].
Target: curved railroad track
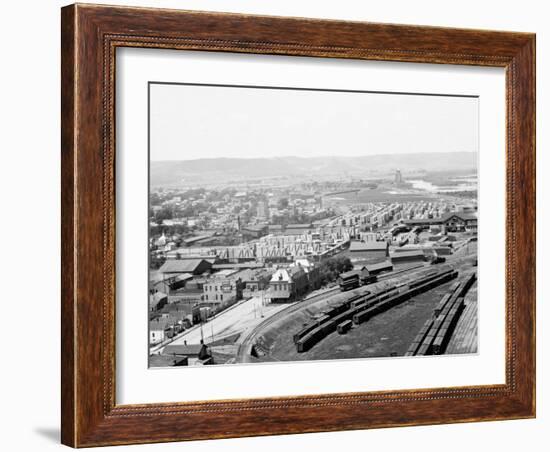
[247, 340]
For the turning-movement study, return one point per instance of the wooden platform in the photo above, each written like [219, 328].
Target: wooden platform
[464, 338]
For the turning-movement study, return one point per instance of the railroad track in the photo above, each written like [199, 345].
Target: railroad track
[249, 338]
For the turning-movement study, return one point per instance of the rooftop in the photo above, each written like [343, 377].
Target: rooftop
[286, 274]
[181, 265]
[255, 227]
[183, 349]
[197, 238]
[226, 273]
[367, 246]
[378, 266]
[350, 274]
[239, 266]
[405, 254]
[463, 216]
[157, 296]
[165, 361]
[159, 324]
[298, 226]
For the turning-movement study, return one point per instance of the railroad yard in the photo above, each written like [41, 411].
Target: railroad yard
[387, 334]
[253, 332]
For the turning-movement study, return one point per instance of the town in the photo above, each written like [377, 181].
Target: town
[285, 270]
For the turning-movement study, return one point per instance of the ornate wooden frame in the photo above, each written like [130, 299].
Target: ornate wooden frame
[90, 35]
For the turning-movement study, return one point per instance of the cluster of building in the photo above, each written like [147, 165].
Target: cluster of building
[215, 248]
[185, 292]
[232, 210]
[401, 243]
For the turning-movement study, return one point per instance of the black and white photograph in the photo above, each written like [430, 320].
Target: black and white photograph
[275, 225]
[295, 224]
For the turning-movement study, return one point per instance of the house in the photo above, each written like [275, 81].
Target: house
[175, 315]
[196, 354]
[178, 312]
[174, 267]
[159, 330]
[223, 288]
[170, 282]
[312, 272]
[200, 313]
[191, 294]
[454, 221]
[287, 284]
[255, 281]
[157, 301]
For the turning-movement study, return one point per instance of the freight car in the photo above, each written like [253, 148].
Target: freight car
[309, 327]
[363, 308]
[368, 279]
[434, 336]
[349, 280]
[341, 303]
[344, 327]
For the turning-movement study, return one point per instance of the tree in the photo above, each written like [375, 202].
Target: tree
[163, 214]
[330, 269]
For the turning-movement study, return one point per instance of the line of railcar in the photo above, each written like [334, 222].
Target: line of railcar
[354, 279]
[396, 297]
[344, 327]
[349, 280]
[435, 334]
[339, 303]
[360, 307]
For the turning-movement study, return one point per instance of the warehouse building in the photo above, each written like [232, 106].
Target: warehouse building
[368, 251]
[407, 257]
[177, 266]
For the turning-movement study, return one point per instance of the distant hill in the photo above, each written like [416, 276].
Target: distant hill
[173, 173]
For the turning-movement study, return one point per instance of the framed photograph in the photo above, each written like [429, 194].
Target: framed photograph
[280, 225]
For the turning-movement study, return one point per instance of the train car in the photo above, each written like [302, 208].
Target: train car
[349, 280]
[314, 336]
[344, 327]
[368, 279]
[309, 327]
[361, 306]
[364, 315]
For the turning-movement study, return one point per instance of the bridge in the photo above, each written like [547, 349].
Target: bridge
[342, 192]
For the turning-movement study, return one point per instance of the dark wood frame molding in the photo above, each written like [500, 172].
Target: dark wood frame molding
[90, 35]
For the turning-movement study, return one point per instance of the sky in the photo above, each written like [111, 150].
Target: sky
[195, 122]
